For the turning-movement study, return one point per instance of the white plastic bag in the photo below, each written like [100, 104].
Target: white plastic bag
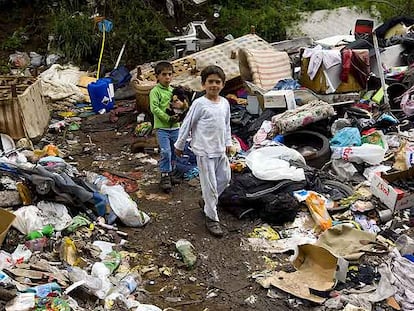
[124, 207]
[30, 218]
[368, 153]
[271, 163]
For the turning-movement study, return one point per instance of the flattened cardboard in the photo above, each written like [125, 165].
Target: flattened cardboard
[342, 240]
[6, 219]
[316, 270]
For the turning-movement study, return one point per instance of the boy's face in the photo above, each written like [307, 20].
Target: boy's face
[164, 77]
[213, 85]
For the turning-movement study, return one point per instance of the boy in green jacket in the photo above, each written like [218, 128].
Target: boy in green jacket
[166, 126]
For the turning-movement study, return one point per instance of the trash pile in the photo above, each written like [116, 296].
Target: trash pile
[67, 236]
[322, 156]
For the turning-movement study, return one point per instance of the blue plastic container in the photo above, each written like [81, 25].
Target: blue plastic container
[101, 93]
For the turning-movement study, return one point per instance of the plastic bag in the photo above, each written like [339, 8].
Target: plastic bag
[124, 207]
[407, 102]
[348, 136]
[374, 137]
[19, 59]
[271, 163]
[317, 207]
[368, 153]
[36, 59]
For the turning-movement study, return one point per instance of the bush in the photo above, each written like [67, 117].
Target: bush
[75, 36]
[15, 41]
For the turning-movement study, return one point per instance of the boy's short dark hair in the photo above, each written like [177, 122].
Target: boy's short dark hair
[212, 70]
[163, 65]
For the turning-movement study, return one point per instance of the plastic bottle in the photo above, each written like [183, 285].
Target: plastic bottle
[368, 153]
[43, 290]
[4, 278]
[128, 284]
[46, 231]
[185, 248]
[97, 180]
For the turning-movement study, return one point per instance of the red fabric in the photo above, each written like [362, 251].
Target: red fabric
[346, 64]
[243, 145]
[129, 185]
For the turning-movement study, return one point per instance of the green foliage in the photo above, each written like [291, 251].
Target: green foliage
[15, 41]
[270, 19]
[140, 27]
[142, 24]
[4, 67]
[134, 23]
[74, 35]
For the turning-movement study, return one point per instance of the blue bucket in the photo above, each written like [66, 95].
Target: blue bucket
[101, 93]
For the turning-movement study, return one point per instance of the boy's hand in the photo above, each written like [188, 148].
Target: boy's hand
[175, 118]
[178, 152]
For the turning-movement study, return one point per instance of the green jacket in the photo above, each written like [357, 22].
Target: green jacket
[160, 98]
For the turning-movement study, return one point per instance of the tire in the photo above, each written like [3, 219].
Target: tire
[300, 139]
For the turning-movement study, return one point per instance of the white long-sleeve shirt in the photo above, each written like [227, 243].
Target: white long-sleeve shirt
[209, 125]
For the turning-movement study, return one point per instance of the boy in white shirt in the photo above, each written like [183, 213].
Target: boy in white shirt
[208, 121]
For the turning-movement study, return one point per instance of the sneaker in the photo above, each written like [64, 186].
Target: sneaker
[201, 203]
[175, 178]
[214, 227]
[165, 183]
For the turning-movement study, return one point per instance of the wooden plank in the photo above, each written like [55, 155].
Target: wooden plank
[10, 119]
[34, 112]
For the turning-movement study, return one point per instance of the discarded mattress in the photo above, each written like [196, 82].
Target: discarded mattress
[264, 67]
[221, 55]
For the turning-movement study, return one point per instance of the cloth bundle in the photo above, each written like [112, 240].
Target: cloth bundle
[292, 120]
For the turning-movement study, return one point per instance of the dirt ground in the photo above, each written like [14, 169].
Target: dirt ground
[220, 280]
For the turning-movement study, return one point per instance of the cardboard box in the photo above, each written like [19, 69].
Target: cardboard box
[6, 219]
[319, 83]
[394, 198]
[280, 99]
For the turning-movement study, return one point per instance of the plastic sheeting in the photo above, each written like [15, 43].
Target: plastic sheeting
[59, 83]
[271, 163]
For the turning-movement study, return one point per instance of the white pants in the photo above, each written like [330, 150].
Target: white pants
[215, 176]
